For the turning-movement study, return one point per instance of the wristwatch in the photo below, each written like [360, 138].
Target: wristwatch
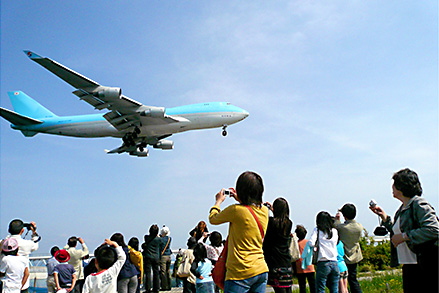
[405, 236]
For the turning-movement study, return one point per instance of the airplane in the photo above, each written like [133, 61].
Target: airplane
[138, 125]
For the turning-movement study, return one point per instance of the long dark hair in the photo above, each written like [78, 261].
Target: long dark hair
[281, 219]
[118, 238]
[325, 223]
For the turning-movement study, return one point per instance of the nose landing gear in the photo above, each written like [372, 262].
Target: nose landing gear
[224, 133]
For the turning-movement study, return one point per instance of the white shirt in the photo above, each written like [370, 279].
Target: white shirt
[327, 247]
[106, 280]
[14, 267]
[405, 255]
[25, 248]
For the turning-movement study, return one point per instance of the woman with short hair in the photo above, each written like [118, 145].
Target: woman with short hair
[414, 234]
[151, 259]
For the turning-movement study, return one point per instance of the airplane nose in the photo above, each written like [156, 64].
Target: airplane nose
[244, 114]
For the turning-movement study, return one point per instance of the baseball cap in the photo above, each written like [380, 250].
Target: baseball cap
[10, 244]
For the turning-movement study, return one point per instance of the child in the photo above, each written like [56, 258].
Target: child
[202, 268]
[105, 280]
[343, 281]
[65, 274]
[14, 269]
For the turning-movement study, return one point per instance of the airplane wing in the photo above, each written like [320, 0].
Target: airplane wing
[125, 114]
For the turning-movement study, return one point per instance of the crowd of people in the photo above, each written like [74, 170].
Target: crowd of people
[259, 249]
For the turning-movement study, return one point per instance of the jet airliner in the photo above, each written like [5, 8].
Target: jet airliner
[136, 124]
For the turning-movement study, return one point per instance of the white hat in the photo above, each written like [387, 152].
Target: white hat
[165, 231]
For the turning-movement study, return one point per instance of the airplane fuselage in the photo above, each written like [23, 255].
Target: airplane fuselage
[196, 116]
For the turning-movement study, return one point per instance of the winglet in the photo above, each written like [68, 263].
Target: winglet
[32, 55]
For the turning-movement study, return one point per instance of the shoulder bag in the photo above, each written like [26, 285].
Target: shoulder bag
[294, 248]
[184, 269]
[315, 250]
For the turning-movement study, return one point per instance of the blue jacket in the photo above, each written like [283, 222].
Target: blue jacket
[307, 256]
[163, 242]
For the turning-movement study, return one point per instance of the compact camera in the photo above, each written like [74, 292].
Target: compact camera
[372, 203]
[227, 192]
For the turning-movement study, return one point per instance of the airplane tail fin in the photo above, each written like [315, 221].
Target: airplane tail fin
[26, 106]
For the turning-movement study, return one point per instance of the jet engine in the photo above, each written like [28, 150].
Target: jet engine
[109, 93]
[140, 153]
[164, 144]
[156, 112]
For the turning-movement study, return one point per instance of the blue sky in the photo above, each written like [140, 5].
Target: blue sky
[341, 95]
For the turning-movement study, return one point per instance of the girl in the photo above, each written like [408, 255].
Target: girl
[201, 268]
[327, 272]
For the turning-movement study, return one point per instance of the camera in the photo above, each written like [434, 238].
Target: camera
[28, 226]
[227, 192]
[372, 203]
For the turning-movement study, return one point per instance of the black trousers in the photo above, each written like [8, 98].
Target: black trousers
[152, 265]
[302, 278]
[354, 286]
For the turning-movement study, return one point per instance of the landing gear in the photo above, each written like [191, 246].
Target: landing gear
[130, 137]
[224, 133]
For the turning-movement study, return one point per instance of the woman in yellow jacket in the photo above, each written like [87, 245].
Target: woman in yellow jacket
[246, 267]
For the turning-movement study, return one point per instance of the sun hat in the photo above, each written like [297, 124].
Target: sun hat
[62, 255]
[164, 231]
[10, 244]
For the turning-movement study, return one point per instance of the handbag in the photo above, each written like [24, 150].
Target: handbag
[315, 250]
[184, 269]
[219, 271]
[294, 248]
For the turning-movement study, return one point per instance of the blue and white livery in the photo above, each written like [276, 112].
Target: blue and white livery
[138, 125]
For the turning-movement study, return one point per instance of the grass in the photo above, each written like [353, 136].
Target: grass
[387, 281]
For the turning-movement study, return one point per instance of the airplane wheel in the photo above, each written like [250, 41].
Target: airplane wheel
[224, 133]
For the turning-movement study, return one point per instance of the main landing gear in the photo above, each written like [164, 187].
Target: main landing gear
[224, 133]
[129, 139]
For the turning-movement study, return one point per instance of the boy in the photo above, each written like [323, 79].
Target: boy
[65, 274]
[105, 279]
[14, 270]
[51, 264]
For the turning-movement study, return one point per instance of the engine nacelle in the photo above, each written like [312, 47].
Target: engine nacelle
[140, 153]
[156, 112]
[109, 93]
[164, 144]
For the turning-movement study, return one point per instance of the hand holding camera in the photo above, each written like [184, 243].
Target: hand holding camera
[30, 226]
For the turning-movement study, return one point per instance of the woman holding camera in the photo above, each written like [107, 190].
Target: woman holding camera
[414, 234]
[246, 267]
[276, 247]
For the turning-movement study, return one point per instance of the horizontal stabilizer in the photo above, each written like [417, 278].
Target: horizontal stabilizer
[18, 119]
